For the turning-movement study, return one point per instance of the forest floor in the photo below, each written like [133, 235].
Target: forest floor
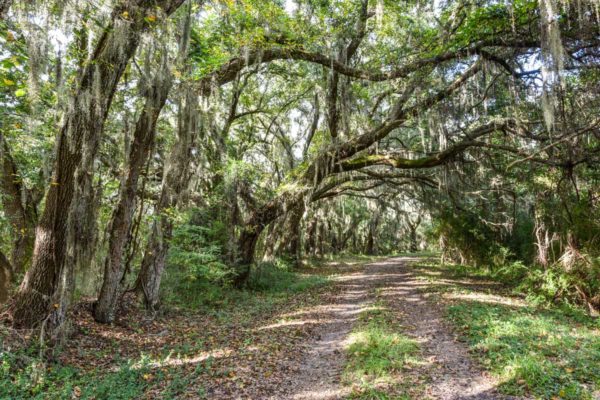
[395, 328]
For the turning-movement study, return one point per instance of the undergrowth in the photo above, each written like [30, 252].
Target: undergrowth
[269, 284]
[20, 379]
[541, 352]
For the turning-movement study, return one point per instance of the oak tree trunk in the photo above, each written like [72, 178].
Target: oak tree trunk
[371, 246]
[46, 290]
[19, 208]
[311, 231]
[176, 178]
[4, 7]
[5, 277]
[143, 140]
[254, 226]
[289, 243]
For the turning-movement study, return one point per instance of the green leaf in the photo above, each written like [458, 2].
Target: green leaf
[20, 92]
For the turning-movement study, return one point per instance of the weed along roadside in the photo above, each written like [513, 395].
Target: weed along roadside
[533, 349]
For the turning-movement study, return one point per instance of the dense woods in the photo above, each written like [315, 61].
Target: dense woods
[150, 149]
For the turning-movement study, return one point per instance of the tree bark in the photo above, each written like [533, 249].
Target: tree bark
[289, 242]
[19, 207]
[4, 7]
[5, 277]
[412, 227]
[253, 228]
[344, 57]
[246, 246]
[175, 180]
[320, 239]
[143, 140]
[371, 246]
[46, 291]
[414, 247]
[311, 230]
[271, 243]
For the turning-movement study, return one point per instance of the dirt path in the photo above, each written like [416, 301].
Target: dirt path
[453, 375]
[318, 374]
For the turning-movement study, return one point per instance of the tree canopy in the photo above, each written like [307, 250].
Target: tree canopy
[138, 136]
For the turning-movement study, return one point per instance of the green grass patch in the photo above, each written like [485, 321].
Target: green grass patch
[545, 353]
[378, 351]
[538, 349]
[535, 349]
[22, 377]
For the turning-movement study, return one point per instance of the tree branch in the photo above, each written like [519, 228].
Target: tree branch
[439, 158]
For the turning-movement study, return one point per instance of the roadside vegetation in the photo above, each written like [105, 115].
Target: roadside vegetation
[185, 186]
[534, 348]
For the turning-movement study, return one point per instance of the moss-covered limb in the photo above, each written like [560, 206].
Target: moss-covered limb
[229, 70]
[430, 161]
[404, 163]
[330, 163]
[399, 114]
[320, 169]
[336, 181]
[444, 156]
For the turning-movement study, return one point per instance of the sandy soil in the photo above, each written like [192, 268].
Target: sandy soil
[452, 373]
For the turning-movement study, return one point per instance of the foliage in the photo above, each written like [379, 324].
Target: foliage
[472, 241]
[278, 276]
[269, 284]
[540, 352]
[291, 129]
[23, 377]
[196, 261]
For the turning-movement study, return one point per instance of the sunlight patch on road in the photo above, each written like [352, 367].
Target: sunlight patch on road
[486, 298]
[180, 361]
[283, 324]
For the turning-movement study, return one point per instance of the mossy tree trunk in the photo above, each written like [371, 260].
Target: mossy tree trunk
[19, 207]
[120, 226]
[176, 178]
[46, 290]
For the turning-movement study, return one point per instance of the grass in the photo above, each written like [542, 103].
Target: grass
[37, 380]
[544, 353]
[550, 352]
[378, 351]
[129, 380]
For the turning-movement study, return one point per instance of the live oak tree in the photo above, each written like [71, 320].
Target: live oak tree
[46, 288]
[289, 129]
